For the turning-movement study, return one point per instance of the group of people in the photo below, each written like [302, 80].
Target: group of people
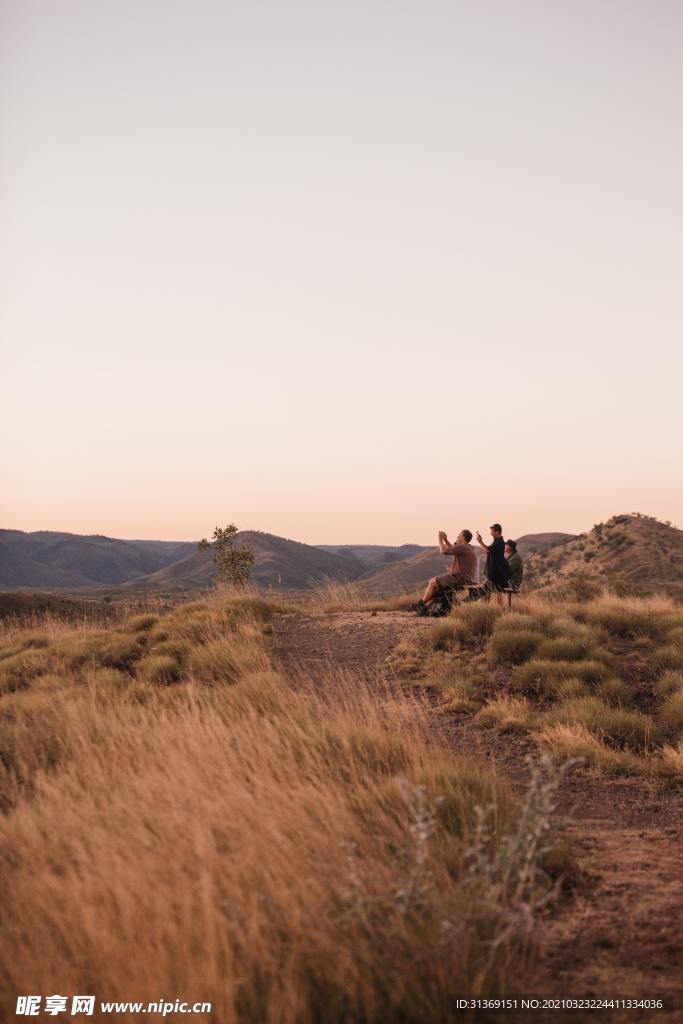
[504, 568]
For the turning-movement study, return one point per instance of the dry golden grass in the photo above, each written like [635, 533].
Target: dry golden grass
[332, 596]
[176, 820]
[611, 667]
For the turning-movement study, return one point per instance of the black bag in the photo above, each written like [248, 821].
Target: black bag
[442, 604]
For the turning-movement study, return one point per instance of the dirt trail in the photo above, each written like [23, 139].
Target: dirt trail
[620, 935]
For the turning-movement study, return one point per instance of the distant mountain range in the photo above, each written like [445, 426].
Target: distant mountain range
[70, 562]
[641, 551]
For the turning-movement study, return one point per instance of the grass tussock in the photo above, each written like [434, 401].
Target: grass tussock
[574, 742]
[612, 667]
[507, 715]
[669, 717]
[282, 857]
[626, 619]
[513, 646]
[543, 678]
[668, 684]
[475, 620]
[615, 726]
[667, 766]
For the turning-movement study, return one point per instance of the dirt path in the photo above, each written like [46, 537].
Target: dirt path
[621, 934]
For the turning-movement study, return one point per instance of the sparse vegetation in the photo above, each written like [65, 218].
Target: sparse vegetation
[200, 790]
[233, 564]
[603, 677]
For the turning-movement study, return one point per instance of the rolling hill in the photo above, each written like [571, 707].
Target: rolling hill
[633, 552]
[280, 563]
[374, 556]
[68, 561]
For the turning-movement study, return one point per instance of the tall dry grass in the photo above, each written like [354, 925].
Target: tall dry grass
[210, 834]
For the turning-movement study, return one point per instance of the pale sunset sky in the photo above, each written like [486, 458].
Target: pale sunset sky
[343, 272]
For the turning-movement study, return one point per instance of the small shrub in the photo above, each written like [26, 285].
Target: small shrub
[622, 619]
[506, 715]
[667, 765]
[408, 658]
[120, 650]
[574, 742]
[225, 661]
[197, 628]
[18, 670]
[668, 684]
[614, 691]
[444, 635]
[675, 636]
[109, 679]
[476, 619]
[568, 688]
[461, 695]
[574, 648]
[141, 623]
[161, 669]
[176, 649]
[618, 727]
[255, 608]
[670, 656]
[461, 786]
[669, 716]
[541, 677]
[512, 647]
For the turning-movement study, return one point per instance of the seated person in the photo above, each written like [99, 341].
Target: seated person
[497, 573]
[461, 573]
[515, 564]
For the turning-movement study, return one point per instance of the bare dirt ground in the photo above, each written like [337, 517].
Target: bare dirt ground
[619, 935]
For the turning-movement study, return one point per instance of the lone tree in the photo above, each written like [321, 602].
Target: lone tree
[232, 564]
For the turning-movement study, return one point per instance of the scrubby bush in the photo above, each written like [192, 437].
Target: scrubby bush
[616, 726]
[460, 695]
[19, 669]
[565, 743]
[669, 716]
[570, 687]
[623, 619]
[513, 646]
[506, 715]
[667, 766]
[476, 619]
[161, 669]
[120, 650]
[141, 623]
[443, 636]
[615, 691]
[670, 656]
[668, 684]
[542, 677]
[574, 648]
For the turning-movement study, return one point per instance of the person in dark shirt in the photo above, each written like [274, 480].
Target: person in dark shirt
[497, 573]
[515, 564]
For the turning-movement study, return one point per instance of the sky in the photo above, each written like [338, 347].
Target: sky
[341, 272]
